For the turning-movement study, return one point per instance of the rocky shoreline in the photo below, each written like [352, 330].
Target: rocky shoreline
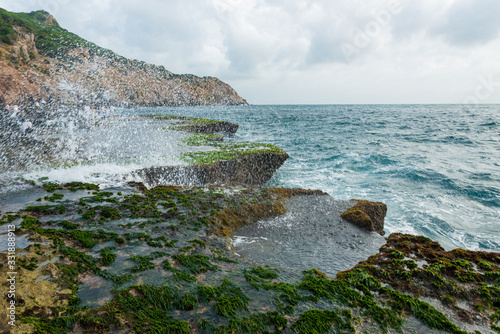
[157, 256]
[159, 259]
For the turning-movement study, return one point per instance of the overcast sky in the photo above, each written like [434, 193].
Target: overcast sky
[305, 52]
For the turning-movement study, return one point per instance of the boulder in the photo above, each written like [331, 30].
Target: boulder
[368, 215]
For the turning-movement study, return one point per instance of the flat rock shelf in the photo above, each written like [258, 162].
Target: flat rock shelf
[310, 234]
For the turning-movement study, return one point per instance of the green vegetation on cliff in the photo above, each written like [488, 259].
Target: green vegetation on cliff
[35, 43]
[51, 39]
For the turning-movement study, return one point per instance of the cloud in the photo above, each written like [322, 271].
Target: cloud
[469, 22]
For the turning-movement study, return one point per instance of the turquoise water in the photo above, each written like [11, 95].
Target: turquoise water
[437, 167]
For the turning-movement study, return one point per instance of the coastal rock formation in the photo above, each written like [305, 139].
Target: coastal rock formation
[40, 60]
[211, 127]
[458, 285]
[310, 233]
[248, 169]
[368, 215]
[222, 163]
[134, 259]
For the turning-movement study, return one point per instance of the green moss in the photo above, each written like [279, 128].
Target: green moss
[171, 243]
[397, 254]
[229, 299]
[29, 222]
[110, 212]
[206, 293]
[269, 322]
[146, 310]
[69, 225]
[143, 263]
[288, 296]
[54, 197]
[166, 298]
[341, 292]
[46, 209]
[485, 265]
[326, 321]
[74, 186]
[107, 257]
[195, 264]
[140, 207]
[51, 187]
[157, 322]
[422, 311]
[198, 242]
[29, 266]
[202, 139]
[267, 273]
[89, 214]
[228, 151]
[44, 324]
[11, 218]
[181, 276]
[87, 239]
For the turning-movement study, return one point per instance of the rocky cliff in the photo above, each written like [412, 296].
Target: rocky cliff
[40, 60]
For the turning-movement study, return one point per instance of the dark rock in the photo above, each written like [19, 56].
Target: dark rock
[368, 215]
[248, 169]
[221, 126]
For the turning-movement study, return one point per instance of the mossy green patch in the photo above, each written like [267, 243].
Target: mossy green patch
[268, 322]
[144, 262]
[228, 151]
[107, 256]
[46, 209]
[195, 263]
[69, 225]
[325, 321]
[54, 197]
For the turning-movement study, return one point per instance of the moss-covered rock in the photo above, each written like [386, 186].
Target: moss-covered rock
[368, 215]
[248, 168]
[140, 271]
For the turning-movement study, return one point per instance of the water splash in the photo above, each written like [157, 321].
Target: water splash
[73, 146]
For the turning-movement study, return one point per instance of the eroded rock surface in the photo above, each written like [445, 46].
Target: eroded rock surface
[247, 169]
[145, 260]
[367, 215]
[311, 233]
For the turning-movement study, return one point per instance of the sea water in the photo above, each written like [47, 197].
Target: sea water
[437, 167]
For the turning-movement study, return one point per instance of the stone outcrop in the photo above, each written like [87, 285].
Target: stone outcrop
[247, 169]
[368, 215]
[212, 127]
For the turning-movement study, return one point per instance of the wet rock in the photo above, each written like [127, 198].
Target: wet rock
[213, 127]
[178, 273]
[310, 233]
[367, 215]
[248, 169]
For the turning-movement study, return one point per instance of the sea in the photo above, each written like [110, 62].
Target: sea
[437, 167]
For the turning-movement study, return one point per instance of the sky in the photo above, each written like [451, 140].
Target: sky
[305, 52]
